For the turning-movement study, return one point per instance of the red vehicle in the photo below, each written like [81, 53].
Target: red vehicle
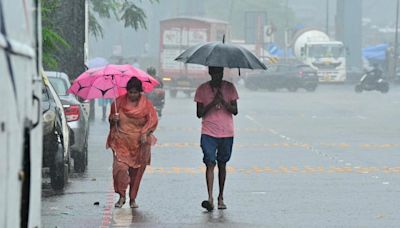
[178, 34]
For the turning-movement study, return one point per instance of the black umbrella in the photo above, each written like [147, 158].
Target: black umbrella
[221, 55]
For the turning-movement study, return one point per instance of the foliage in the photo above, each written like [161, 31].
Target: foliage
[51, 40]
[121, 10]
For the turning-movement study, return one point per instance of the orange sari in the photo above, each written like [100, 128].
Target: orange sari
[135, 121]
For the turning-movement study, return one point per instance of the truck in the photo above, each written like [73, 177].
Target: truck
[176, 35]
[316, 49]
[20, 114]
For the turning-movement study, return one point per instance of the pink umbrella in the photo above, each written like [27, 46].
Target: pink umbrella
[109, 81]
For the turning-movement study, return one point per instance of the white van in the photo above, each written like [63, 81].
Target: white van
[20, 114]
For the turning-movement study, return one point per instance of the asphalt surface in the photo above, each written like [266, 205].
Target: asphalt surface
[324, 159]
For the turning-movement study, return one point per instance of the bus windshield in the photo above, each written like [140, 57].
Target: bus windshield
[325, 51]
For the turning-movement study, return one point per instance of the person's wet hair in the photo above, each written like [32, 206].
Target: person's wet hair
[134, 83]
[215, 70]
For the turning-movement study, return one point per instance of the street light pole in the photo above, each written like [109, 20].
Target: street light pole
[327, 18]
[286, 30]
[396, 41]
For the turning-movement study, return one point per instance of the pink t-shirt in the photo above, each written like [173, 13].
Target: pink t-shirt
[217, 122]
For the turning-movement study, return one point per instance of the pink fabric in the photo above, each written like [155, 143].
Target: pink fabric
[124, 175]
[217, 122]
[124, 140]
[109, 81]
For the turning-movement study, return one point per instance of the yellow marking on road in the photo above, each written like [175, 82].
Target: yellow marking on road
[284, 145]
[276, 170]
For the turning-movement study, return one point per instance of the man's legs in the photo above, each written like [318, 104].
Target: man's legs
[209, 147]
[223, 156]
[210, 182]
[221, 180]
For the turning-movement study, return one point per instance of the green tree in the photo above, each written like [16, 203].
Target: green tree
[125, 11]
[51, 40]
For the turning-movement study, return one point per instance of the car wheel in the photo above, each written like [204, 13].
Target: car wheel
[292, 88]
[311, 88]
[80, 160]
[173, 93]
[358, 88]
[251, 85]
[188, 93]
[384, 88]
[59, 170]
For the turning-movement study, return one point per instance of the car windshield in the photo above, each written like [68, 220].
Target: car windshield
[304, 67]
[59, 86]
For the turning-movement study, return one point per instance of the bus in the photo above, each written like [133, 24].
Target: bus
[176, 35]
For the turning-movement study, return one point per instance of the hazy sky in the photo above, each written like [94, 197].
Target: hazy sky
[139, 43]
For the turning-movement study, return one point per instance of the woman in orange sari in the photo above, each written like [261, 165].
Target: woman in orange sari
[130, 139]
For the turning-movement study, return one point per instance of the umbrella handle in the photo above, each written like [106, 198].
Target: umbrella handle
[115, 95]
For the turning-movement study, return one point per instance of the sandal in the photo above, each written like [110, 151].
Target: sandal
[207, 205]
[120, 202]
[221, 205]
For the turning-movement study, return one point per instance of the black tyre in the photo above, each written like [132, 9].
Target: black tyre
[271, 88]
[311, 88]
[80, 161]
[188, 93]
[173, 93]
[251, 85]
[292, 88]
[59, 170]
[384, 88]
[358, 88]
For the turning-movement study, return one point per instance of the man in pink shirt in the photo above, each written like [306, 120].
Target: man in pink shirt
[216, 103]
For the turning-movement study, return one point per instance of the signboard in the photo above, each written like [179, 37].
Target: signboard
[197, 36]
[172, 36]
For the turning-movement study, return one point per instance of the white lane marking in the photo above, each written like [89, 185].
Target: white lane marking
[362, 117]
[310, 147]
[250, 118]
[259, 193]
[273, 131]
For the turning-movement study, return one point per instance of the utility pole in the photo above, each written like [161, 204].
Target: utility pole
[286, 30]
[396, 41]
[327, 18]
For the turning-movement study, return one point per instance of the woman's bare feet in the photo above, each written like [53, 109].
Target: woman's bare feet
[120, 202]
[133, 204]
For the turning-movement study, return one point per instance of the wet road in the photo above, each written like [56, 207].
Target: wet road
[323, 159]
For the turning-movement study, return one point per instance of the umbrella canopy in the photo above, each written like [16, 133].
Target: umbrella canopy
[109, 81]
[221, 55]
